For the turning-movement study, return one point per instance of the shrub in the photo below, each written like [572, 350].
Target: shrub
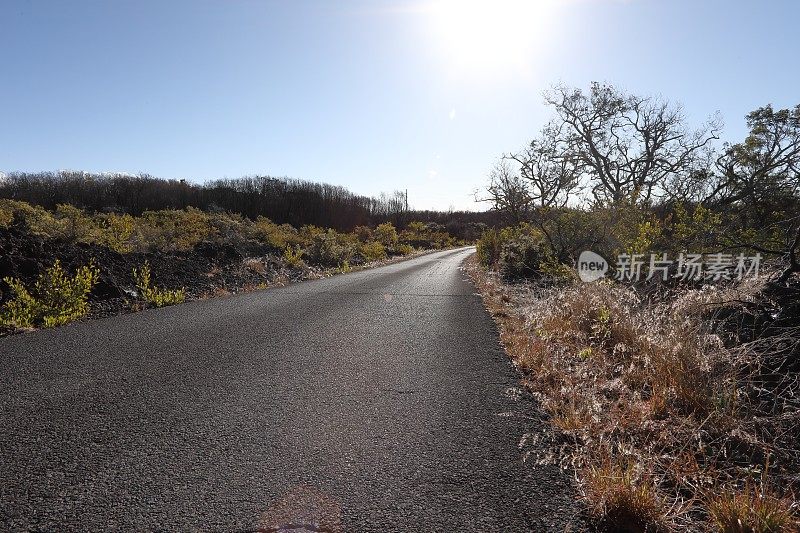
[40, 221]
[697, 230]
[6, 214]
[232, 228]
[426, 235]
[293, 256]
[386, 234]
[276, 236]
[363, 233]
[55, 299]
[488, 248]
[372, 251]
[570, 231]
[326, 250]
[172, 230]
[154, 295]
[74, 224]
[403, 249]
[308, 232]
[116, 231]
[521, 257]
[519, 252]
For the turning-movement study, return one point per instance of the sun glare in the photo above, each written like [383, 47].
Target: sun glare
[488, 37]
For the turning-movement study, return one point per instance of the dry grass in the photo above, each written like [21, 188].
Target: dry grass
[654, 407]
[216, 292]
[751, 510]
[255, 265]
[621, 501]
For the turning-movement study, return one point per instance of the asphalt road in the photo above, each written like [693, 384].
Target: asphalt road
[373, 401]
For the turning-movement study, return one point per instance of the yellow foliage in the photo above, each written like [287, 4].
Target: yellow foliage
[172, 229]
[6, 215]
[293, 256]
[386, 234]
[116, 232]
[372, 251]
[276, 236]
[697, 230]
[55, 299]
[74, 225]
[154, 295]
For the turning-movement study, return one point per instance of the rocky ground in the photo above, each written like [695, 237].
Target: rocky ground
[209, 270]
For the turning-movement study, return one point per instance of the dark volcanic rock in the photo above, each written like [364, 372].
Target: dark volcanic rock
[207, 269]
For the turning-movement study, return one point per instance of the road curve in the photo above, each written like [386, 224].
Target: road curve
[379, 400]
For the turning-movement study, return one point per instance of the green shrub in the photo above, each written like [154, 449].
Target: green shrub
[325, 250]
[232, 228]
[630, 229]
[116, 231]
[40, 221]
[372, 251]
[520, 252]
[293, 256]
[172, 230]
[75, 225]
[55, 299]
[490, 245]
[488, 248]
[426, 235]
[386, 234]
[521, 257]
[403, 249]
[154, 295]
[276, 236]
[6, 213]
[697, 230]
[308, 232]
[175, 230]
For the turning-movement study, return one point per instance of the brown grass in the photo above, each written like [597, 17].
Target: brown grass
[255, 265]
[621, 501]
[751, 510]
[651, 404]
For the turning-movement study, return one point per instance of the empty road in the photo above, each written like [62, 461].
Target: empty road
[379, 400]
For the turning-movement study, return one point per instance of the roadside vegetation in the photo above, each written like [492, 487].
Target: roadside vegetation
[54, 299]
[63, 264]
[674, 399]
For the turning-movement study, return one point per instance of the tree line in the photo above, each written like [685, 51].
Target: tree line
[282, 200]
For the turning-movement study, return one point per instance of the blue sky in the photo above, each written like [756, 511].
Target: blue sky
[375, 96]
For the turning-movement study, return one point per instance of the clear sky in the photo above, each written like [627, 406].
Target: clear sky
[375, 96]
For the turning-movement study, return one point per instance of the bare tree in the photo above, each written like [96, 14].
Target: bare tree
[550, 171]
[626, 145]
[507, 193]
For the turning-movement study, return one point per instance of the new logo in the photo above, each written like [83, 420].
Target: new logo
[591, 266]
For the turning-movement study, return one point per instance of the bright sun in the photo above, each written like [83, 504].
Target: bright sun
[486, 37]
